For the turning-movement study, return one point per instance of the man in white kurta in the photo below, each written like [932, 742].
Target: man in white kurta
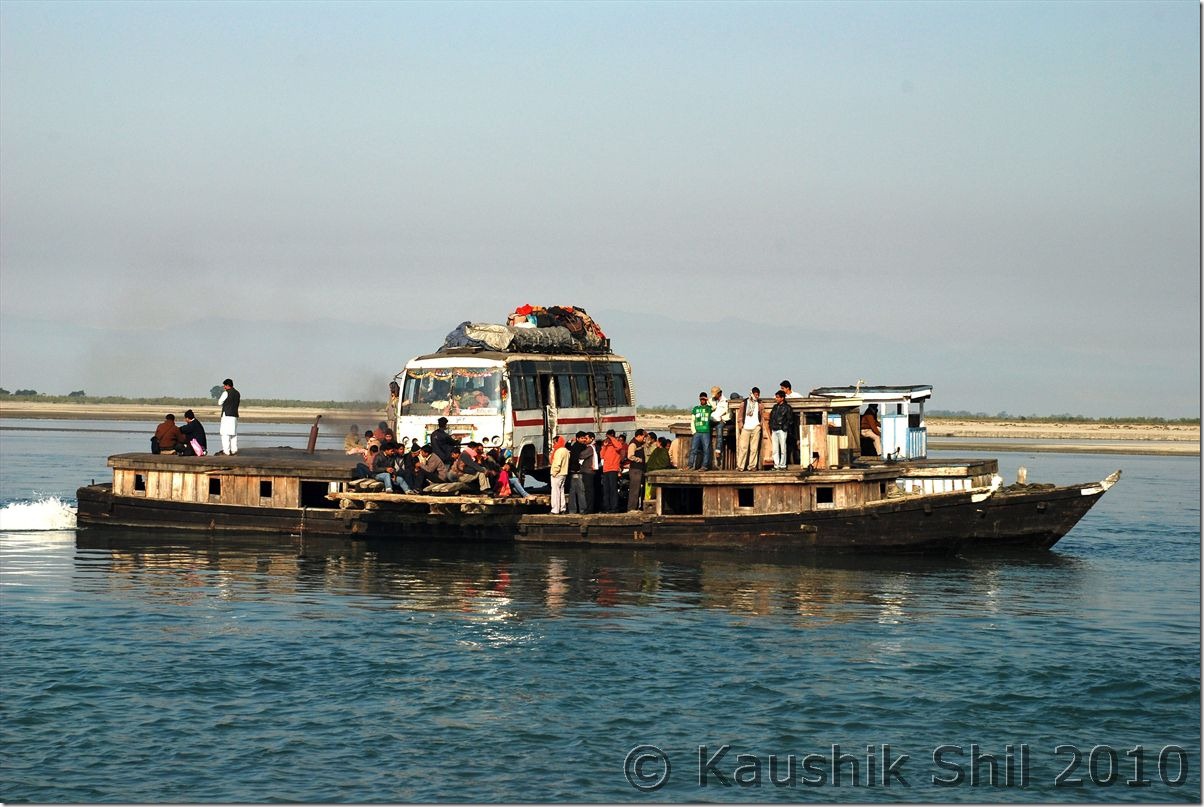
[228, 428]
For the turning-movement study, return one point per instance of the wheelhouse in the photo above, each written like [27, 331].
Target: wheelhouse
[900, 415]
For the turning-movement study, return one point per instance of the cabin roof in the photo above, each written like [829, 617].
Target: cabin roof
[904, 392]
[279, 461]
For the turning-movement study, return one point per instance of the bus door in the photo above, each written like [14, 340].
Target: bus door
[547, 391]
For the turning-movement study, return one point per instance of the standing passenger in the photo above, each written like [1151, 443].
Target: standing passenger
[780, 418]
[793, 441]
[590, 463]
[391, 406]
[560, 470]
[442, 443]
[635, 471]
[612, 463]
[748, 443]
[700, 446]
[577, 500]
[228, 428]
[719, 412]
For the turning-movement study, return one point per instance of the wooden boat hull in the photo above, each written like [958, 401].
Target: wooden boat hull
[1030, 518]
[1021, 517]
[761, 532]
[98, 506]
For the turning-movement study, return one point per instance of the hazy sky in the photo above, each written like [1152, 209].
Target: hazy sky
[999, 199]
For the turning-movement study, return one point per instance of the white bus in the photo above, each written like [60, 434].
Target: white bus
[517, 401]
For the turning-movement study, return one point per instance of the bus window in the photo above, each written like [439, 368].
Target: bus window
[621, 392]
[581, 393]
[523, 392]
[564, 391]
[610, 384]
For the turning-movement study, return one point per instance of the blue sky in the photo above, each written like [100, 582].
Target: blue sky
[999, 199]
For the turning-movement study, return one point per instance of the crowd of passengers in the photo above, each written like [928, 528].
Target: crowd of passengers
[583, 469]
[413, 467]
[584, 474]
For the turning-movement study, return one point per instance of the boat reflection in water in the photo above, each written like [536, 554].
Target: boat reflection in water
[498, 581]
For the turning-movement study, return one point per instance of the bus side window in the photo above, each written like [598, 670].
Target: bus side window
[524, 392]
[581, 391]
[621, 393]
[564, 391]
[604, 388]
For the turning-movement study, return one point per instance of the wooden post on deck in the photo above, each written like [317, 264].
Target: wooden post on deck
[313, 436]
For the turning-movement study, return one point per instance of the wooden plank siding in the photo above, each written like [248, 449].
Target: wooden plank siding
[186, 486]
[724, 499]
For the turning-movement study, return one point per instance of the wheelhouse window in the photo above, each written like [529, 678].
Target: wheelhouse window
[452, 390]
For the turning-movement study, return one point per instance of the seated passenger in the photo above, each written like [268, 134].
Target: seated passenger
[353, 443]
[168, 437]
[508, 480]
[193, 430]
[871, 429]
[429, 469]
[364, 470]
[658, 458]
[478, 400]
[464, 468]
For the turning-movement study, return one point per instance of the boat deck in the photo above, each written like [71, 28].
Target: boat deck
[929, 468]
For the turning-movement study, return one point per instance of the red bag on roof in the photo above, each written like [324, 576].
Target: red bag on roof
[523, 310]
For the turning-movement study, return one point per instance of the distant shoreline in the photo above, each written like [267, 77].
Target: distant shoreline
[950, 434]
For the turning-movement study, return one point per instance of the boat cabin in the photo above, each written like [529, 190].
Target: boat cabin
[900, 413]
[725, 493]
[258, 477]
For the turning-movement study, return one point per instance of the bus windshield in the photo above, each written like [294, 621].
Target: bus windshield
[451, 390]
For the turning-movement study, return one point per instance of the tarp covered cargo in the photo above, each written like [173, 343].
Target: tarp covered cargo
[506, 338]
[533, 329]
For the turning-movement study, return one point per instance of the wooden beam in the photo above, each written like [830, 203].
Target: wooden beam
[410, 498]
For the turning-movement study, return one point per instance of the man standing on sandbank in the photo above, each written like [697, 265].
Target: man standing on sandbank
[229, 423]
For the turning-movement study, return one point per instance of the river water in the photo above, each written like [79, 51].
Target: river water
[164, 667]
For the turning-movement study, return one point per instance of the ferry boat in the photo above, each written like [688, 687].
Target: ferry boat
[844, 499]
[856, 504]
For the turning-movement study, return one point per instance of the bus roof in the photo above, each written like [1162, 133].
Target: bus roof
[453, 358]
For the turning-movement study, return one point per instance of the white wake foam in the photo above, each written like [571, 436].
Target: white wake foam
[49, 513]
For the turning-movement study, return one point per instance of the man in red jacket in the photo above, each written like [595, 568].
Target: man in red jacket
[612, 462]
